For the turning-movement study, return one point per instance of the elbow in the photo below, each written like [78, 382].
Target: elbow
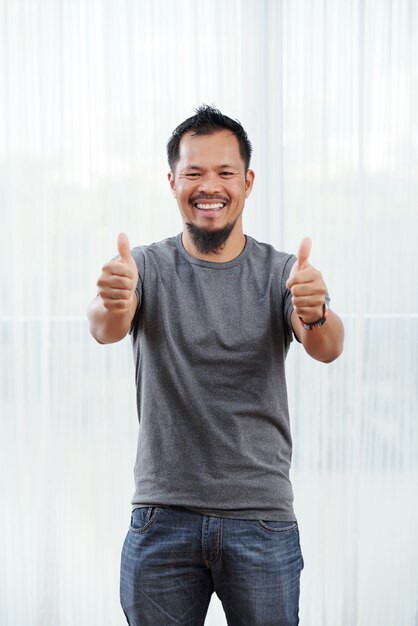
[333, 355]
[95, 336]
[336, 346]
[105, 337]
[93, 322]
[102, 340]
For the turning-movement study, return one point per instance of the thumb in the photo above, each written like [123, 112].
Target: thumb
[124, 248]
[303, 253]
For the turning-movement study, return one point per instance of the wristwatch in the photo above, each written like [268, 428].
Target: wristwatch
[321, 320]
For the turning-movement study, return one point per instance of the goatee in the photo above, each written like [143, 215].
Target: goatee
[209, 241]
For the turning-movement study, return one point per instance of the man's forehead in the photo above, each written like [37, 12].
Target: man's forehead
[218, 142]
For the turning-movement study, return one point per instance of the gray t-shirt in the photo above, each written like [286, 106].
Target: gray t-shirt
[210, 341]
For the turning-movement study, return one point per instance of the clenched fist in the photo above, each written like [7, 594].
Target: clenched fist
[307, 286]
[118, 279]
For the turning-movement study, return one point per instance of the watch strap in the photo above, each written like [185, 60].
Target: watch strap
[321, 321]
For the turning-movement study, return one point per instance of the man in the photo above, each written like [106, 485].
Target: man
[211, 314]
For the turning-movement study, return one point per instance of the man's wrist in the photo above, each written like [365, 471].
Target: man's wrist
[320, 321]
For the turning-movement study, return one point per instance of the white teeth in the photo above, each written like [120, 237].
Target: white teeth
[219, 205]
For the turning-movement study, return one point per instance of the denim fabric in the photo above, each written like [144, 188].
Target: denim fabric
[173, 559]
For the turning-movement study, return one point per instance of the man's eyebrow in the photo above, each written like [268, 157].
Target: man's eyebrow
[221, 167]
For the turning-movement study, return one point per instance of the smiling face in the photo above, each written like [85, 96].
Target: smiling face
[210, 183]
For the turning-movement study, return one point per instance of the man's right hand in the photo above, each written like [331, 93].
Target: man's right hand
[118, 280]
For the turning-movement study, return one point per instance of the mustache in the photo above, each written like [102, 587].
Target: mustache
[205, 197]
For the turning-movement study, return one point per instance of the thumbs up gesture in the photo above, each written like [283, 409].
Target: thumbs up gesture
[307, 286]
[118, 279]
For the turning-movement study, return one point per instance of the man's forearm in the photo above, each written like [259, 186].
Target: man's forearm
[325, 343]
[108, 326]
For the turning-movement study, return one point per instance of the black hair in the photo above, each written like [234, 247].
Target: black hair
[208, 120]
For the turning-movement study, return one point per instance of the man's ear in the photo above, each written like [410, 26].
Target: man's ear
[170, 177]
[249, 181]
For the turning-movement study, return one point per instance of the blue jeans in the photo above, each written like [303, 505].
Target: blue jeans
[173, 560]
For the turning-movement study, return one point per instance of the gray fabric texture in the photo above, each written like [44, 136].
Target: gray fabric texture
[210, 341]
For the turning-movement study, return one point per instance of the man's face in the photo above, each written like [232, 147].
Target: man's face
[210, 182]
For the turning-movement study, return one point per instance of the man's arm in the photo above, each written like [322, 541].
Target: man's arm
[324, 343]
[308, 289]
[111, 312]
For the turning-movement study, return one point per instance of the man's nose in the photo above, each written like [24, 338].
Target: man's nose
[209, 183]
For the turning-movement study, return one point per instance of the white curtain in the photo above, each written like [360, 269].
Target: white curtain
[90, 91]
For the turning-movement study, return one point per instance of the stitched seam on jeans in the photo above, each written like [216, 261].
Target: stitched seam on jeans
[150, 522]
[203, 541]
[220, 543]
[277, 530]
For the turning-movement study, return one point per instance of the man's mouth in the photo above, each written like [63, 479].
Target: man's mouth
[209, 206]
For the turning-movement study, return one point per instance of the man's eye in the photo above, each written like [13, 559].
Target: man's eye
[226, 173]
[192, 174]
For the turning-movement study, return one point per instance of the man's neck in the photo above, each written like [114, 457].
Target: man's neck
[231, 249]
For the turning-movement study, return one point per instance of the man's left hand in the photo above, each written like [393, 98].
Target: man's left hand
[307, 286]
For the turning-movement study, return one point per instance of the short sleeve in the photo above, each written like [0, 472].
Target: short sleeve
[287, 299]
[138, 256]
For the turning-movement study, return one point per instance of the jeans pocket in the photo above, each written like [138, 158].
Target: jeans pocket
[143, 518]
[277, 527]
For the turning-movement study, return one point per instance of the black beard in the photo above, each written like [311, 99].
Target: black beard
[209, 241]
